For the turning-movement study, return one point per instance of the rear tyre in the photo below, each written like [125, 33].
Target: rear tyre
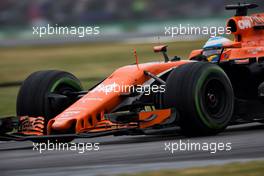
[32, 99]
[203, 95]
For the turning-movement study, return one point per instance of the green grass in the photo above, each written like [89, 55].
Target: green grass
[84, 61]
[8, 101]
[255, 168]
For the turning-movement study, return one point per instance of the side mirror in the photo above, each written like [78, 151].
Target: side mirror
[160, 48]
[163, 49]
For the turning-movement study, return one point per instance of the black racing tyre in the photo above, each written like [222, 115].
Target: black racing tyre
[32, 98]
[261, 92]
[203, 95]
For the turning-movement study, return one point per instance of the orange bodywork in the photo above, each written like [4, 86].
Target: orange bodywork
[248, 38]
[87, 114]
[162, 115]
[195, 53]
[249, 32]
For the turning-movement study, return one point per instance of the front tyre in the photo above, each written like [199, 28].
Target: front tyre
[33, 100]
[203, 95]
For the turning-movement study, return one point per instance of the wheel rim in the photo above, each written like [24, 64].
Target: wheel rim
[214, 98]
[67, 82]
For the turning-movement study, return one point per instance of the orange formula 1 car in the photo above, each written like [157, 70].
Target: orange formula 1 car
[220, 85]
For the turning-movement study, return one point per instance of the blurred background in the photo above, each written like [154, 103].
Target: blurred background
[23, 13]
[117, 18]
[124, 25]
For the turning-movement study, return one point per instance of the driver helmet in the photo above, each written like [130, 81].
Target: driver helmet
[213, 47]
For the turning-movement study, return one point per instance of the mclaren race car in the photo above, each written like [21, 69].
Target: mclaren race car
[221, 84]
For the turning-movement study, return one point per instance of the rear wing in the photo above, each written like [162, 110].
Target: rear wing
[241, 9]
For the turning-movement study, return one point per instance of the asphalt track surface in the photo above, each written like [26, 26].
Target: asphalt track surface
[129, 154]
